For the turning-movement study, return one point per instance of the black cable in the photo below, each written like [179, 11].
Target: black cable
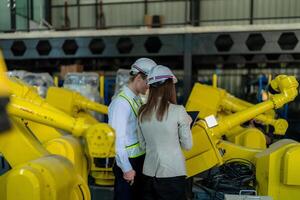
[234, 175]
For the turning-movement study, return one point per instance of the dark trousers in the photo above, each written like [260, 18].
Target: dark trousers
[172, 188]
[123, 190]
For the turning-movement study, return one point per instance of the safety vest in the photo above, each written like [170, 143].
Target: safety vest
[133, 150]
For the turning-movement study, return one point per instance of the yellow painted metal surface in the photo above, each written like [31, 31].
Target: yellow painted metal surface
[47, 178]
[70, 148]
[98, 137]
[39, 113]
[73, 101]
[22, 90]
[205, 99]
[204, 153]
[100, 140]
[247, 137]
[36, 174]
[78, 106]
[56, 81]
[215, 101]
[275, 171]
[4, 89]
[215, 81]
[101, 84]
[234, 104]
[291, 166]
[25, 109]
[230, 150]
[277, 167]
[58, 143]
[52, 139]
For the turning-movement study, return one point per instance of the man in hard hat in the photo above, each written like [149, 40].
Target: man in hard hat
[122, 116]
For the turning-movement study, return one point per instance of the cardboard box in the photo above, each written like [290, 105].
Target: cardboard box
[154, 21]
[64, 69]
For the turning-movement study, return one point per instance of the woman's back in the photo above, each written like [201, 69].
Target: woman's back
[163, 141]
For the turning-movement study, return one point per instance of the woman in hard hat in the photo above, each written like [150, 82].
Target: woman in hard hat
[122, 116]
[164, 128]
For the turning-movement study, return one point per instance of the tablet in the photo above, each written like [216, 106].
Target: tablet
[194, 116]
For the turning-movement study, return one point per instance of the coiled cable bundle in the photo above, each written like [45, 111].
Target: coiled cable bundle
[230, 178]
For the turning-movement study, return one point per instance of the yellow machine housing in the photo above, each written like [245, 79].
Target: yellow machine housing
[57, 142]
[78, 106]
[210, 100]
[277, 170]
[54, 140]
[98, 138]
[211, 150]
[73, 102]
[34, 173]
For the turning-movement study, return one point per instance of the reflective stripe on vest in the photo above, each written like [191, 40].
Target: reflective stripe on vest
[133, 150]
[135, 105]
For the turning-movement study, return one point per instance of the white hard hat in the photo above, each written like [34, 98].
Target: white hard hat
[143, 65]
[160, 74]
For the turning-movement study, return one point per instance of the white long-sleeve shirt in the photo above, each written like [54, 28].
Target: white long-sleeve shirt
[122, 118]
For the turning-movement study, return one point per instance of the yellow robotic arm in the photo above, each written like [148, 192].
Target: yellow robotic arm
[208, 143]
[286, 85]
[99, 138]
[34, 174]
[23, 90]
[54, 140]
[215, 101]
[27, 110]
[212, 101]
[73, 101]
[233, 104]
[277, 167]
[76, 105]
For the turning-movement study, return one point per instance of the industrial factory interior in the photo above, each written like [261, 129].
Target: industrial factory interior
[149, 100]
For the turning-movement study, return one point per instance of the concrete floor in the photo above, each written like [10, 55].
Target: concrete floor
[101, 193]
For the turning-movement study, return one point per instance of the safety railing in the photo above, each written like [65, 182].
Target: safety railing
[105, 14]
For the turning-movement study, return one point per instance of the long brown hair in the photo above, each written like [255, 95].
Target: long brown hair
[159, 99]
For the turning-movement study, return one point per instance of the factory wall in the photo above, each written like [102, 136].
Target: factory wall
[22, 14]
[4, 16]
[119, 15]
[212, 12]
[240, 9]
